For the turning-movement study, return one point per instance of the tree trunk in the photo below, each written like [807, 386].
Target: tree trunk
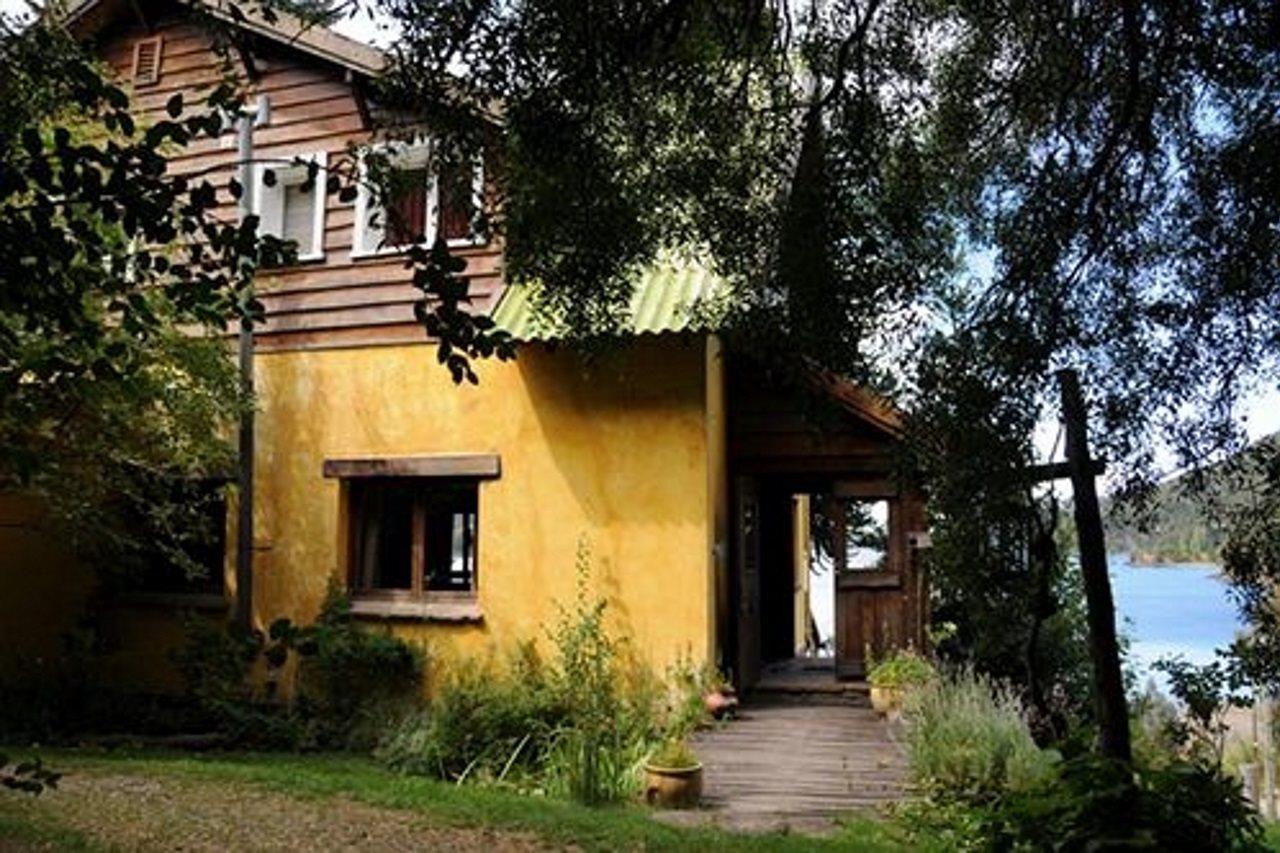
[1108, 686]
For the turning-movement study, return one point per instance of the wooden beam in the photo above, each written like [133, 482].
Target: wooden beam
[1062, 471]
[482, 465]
[881, 488]
[1108, 683]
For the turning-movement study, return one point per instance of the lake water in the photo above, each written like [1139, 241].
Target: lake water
[1171, 610]
[1163, 610]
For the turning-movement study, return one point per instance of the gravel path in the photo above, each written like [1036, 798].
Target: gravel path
[138, 812]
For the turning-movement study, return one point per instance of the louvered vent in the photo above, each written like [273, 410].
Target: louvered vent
[146, 62]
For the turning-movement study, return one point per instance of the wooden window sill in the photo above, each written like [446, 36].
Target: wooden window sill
[211, 601]
[421, 611]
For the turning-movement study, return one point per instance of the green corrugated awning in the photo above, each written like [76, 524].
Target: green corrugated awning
[669, 297]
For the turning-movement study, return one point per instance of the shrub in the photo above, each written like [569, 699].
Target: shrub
[214, 662]
[350, 679]
[987, 787]
[484, 724]
[968, 738]
[1096, 803]
[900, 669]
[578, 727]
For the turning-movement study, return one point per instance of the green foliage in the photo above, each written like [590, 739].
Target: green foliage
[484, 723]
[578, 727]
[215, 662]
[688, 686]
[673, 754]
[1093, 803]
[968, 739]
[597, 756]
[901, 668]
[107, 263]
[1251, 562]
[351, 680]
[987, 786]
[999, 568]
[1189, 518]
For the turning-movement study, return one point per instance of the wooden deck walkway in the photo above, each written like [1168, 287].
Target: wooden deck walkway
[796, 763]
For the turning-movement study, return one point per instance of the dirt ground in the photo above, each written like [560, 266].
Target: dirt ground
[145, 813]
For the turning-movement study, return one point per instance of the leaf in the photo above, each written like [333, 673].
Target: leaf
[174, 106]
[268, 177]
[347, 194]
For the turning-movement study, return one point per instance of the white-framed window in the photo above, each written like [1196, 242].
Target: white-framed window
[420, 202]
[290, 208]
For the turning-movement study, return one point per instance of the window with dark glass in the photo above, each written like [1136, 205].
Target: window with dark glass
[413, 536]
[420, 200]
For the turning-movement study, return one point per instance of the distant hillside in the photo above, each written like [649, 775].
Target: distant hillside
[1180, 531]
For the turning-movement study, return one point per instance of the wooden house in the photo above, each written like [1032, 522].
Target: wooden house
[454, 514]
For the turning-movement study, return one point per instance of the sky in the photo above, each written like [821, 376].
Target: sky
[1262, 411]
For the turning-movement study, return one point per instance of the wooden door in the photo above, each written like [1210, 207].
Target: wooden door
[871, 605]
[747, 560]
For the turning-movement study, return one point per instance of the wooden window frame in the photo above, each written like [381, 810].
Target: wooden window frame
[154, 78]
[408, 156]
[417, 602]
[292, 174]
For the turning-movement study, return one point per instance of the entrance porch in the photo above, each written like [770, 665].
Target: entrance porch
[824, 572]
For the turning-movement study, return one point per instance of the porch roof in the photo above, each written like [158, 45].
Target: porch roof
[670, 296]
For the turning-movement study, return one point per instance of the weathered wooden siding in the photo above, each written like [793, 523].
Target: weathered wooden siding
[337, 301]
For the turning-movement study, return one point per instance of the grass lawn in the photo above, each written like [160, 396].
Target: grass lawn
[149, 800]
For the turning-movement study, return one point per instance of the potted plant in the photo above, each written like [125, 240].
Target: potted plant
[673, 777]
[890, 676]
[720, 699]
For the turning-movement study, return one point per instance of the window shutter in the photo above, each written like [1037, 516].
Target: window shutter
[408, 208]
[299, 220]
[457, 202]
[146, 62]
[269, 203]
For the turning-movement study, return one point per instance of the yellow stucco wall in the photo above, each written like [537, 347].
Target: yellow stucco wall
[613, 451]
[46, 595]
[42, 589]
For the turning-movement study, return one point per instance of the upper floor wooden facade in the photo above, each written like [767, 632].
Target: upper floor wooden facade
[342, 293]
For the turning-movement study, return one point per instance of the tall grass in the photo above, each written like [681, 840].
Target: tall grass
[609, 728]
[578, 726]
[968, 737]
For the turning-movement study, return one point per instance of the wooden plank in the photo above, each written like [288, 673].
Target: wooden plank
[779, 764]
[483, 465]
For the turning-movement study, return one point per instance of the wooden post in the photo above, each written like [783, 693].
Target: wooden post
[1108, 686]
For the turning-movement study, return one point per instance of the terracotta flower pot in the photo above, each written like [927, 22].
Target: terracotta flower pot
[673, 787]
[886, 700]
[720, 703]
